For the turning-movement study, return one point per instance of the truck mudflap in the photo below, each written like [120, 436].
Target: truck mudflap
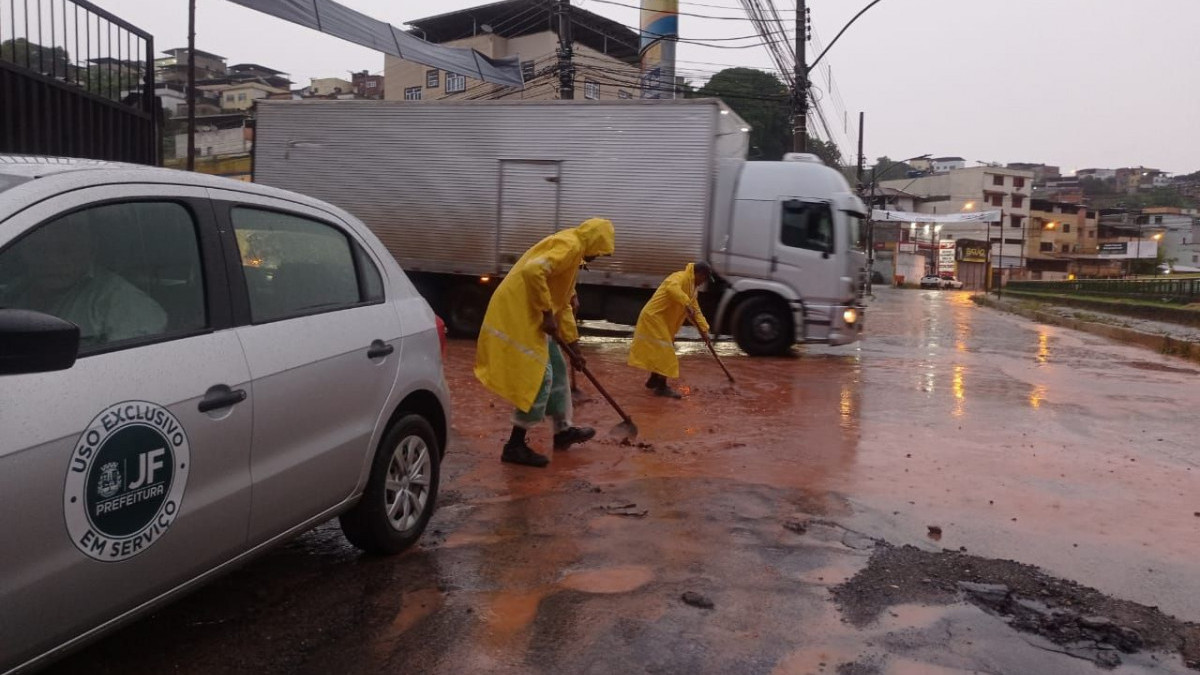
[838, 324]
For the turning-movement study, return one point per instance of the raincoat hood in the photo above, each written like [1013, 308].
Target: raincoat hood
[597, 236]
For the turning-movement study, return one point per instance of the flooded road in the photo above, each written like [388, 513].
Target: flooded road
[712, 544]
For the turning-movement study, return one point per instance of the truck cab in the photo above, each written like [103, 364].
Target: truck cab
[791, 252]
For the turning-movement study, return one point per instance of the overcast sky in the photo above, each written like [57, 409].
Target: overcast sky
[1076, 83]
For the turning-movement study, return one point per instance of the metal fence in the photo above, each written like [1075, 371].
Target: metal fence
[76, 81]
[1161, 290]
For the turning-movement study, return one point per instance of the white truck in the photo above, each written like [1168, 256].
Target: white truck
[458, 191]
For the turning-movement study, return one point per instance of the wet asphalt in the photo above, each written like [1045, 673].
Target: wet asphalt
[1018, 441]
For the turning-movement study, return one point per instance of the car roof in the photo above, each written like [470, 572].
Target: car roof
[33, 178]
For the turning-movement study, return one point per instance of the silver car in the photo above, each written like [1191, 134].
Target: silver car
[193, 369]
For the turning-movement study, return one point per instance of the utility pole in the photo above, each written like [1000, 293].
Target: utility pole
[861, 159]
[566, 69]
[800, 104]
[191, 92]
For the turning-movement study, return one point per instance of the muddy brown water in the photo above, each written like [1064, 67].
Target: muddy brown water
[1018, 441]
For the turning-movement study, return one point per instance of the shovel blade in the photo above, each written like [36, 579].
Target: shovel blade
[625, 431]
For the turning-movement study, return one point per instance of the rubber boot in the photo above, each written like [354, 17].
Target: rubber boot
[516, 451]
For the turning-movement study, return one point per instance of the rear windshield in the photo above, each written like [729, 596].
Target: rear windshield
[9, 181]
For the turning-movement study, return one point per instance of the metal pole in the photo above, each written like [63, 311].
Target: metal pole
[800, 104]
[191, 92]
[861, 159]
[1000, 284]
[566, 71]
[987, 272]
[1137, 259]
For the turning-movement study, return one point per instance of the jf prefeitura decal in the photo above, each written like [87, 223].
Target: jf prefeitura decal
[126, 480]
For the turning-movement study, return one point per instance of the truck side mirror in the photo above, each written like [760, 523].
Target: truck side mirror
[33, 342]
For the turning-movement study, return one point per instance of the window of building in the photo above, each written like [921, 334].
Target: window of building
[1018, 182]
[1016, 220]
[997, 199]
[1066, 248]
[431, 79]
[1196, 258]
[455, 83]
[1047, 247]
[295, 266]
[371, 84]
[997, 179]
[527, 70]
[624, 94]
[1158, 220]
[241, 97]
[122, 273]
[1018, 201]
[1066, 228]
[412, 93]
[807, 225]
[591, 90]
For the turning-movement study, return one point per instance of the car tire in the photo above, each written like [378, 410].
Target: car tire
[379, 522]
[763, 326]
[466, 304]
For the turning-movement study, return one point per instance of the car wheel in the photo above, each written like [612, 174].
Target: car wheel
[763, 327]
[401, 491]
[466, 305]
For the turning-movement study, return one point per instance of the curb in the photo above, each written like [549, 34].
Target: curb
[1163, 344]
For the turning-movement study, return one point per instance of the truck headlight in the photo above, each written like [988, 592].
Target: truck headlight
[850, 316]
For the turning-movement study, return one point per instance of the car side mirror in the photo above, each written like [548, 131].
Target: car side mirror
[33, 342]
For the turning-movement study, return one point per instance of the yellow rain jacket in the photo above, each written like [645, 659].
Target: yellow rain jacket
[512, 352]
[653, 346]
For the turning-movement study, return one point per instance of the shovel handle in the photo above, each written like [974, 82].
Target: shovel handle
[713, 350]
[603, 392]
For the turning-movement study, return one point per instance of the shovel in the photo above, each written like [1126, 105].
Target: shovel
[712, 350]
[626, 430]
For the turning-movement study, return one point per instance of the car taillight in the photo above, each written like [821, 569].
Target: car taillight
[441, 329]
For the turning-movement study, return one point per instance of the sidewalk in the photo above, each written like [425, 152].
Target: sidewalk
[1161, 336]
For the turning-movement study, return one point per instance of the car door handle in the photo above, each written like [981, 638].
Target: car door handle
[221, 396]
[380, 349]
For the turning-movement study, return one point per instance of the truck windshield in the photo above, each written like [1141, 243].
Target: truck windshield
[857, 235]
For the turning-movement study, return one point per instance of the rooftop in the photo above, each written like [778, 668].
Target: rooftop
[592, 30]
[242, 67]
[182, 51]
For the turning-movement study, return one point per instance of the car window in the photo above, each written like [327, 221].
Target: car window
[295, 265]
[121, 272]
[372, 282]
[807, 225]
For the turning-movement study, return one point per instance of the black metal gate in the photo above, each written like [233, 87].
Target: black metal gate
[76, 81]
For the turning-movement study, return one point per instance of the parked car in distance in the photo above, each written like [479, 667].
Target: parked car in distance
[193, 370]
[949, 281]
[931, 281]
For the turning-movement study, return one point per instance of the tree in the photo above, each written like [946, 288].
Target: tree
[53, 62]
[763, 100]
[888, 170]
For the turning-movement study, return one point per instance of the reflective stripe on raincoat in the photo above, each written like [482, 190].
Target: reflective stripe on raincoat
[512, 354]
[653, 347]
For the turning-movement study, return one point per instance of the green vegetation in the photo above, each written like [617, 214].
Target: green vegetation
[764, 101]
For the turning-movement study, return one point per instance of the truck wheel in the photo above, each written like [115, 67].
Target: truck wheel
[465, 306]
[401, 491]
[763, 327]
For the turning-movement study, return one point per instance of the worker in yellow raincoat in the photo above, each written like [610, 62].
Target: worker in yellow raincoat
[517, 356]
[653, 347]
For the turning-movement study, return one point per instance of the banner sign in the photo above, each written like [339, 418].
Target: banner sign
[969, 251]
[1114, 248]
[911, 217]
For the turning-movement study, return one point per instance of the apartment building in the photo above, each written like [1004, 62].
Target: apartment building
[981, 188]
